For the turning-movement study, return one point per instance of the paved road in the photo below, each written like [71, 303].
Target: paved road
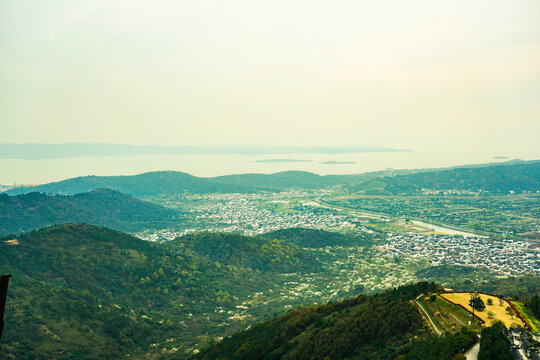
[429, 318]
[472, 353]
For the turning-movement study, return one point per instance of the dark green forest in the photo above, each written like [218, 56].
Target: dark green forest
[493, 343]
[311, 238]
[102, 207]
[254, 253]
[83, 289]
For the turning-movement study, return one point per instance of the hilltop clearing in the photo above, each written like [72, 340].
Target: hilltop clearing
[496, 309]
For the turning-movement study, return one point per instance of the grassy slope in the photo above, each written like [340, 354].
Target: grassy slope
[447, 317]
[527, 315]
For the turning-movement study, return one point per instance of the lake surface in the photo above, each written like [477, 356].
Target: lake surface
[432, 154]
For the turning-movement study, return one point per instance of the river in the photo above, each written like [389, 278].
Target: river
[445, 230]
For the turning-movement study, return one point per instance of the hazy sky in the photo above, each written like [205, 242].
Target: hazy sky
[268, 72]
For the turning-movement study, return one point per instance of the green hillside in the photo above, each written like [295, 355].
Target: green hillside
[496, 179]
[312, 238]
[255, 253]
[500, 178]
[175, 182]
[81, 291]
[292, 179]
[103, 207]
[385, 326]
[88, 292]
[147, 184]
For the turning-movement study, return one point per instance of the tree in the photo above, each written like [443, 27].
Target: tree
[476, 303]
[534, 305]
[510, 311]
[490, 314]
[489, 301]
[493, 345]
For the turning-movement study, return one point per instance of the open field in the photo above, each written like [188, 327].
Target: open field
[498, 308]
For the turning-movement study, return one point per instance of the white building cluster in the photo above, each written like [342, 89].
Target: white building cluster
[509, 257]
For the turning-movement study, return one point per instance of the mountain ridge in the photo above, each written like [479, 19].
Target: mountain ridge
[89, 292]
[175, 182]
[105, 207]
[497, 179]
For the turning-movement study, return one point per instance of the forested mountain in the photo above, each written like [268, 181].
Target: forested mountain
[500, 178]
[67, 297]
[292, 179]
[147, 184]
[87, 292]
[174, 182]
[103, 207]
[497, 179]
[257, 253]
[385, 326]
[311, 238]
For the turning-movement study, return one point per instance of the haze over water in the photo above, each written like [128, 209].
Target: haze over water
[422, 154]
[454, 82]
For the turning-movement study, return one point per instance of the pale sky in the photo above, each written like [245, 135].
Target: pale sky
[273, 72]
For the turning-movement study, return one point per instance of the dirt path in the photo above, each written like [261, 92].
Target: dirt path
[439, 332]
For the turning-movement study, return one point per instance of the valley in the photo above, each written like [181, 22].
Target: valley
[270, 180]
[204, 265]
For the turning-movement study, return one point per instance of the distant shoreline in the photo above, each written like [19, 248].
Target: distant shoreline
[40, 151]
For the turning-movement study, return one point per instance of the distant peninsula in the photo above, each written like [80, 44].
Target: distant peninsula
[35, 151]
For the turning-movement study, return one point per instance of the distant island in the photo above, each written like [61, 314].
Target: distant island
[332, 162]
[500, 157]
[281, 161]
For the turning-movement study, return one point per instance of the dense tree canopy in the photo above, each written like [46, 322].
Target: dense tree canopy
[493, 344]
